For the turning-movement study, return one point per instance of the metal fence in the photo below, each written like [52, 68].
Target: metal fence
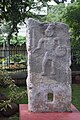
[13, 59]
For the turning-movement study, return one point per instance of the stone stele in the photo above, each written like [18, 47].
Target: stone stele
[49, 73]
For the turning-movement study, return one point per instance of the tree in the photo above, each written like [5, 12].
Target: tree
[72, 18]
[14, 93]
[55, 13]
[71, 15]
[13, 12]
[19, 41]
[72, 1]
[60, 1]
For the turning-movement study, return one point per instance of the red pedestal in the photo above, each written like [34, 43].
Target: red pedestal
[25, 115]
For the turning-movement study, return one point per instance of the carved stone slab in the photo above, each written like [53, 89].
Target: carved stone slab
[49, 60]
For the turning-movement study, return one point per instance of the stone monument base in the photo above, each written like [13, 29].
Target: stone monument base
[25, 115]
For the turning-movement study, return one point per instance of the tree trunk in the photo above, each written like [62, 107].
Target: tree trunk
[8, 52]
[8, 47]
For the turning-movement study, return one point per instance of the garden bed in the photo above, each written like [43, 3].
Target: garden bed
[20, 101]
[19, 77]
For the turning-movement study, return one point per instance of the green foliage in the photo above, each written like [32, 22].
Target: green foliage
[1, 40]
[5, 104]
[70, 15]
[60, 1]
[15, 117]
[18, 58]
[15, 11]
[19, 40]
[72, 18]
[14, 94]
[22, 100]
[5, 79]
[55, 13]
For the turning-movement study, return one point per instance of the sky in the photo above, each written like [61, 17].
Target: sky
[22, 31]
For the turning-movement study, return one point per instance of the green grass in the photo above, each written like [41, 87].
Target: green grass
[76, 95]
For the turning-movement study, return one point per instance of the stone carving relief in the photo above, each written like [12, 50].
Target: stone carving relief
[61, 51]
[49, 74]
[52, 47]
[49, 44]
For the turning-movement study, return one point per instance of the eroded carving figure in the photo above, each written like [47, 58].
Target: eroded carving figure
[50, 44]
[49, 60]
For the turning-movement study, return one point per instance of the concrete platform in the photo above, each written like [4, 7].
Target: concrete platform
[25, 115]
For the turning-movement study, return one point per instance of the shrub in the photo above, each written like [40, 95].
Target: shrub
[14, 94]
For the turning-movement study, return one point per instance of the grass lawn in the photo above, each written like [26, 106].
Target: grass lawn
[76, 95]
[75, 98]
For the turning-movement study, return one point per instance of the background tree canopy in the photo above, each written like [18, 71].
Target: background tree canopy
[14, 12]
[20, 40]
[70, 15]
[72, 18]
[55, 13]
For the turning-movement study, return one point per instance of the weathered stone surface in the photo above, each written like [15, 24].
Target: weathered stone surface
[49, 60]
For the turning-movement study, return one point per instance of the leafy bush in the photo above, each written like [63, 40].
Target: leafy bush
[14, 94]
[16, 61]
[19, 40]
[16, 117]
[18, 58]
